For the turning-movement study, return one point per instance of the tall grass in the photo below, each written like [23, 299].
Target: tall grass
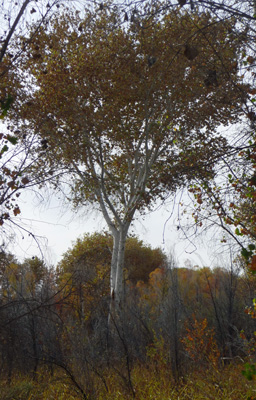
[147, 381]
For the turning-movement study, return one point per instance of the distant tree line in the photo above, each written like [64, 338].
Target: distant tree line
[175, 318]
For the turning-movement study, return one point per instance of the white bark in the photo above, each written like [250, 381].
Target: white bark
[119, 222]
[119, 209]
[114, 261]
[118, 266]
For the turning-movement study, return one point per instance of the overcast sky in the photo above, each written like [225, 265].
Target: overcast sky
[58, 227]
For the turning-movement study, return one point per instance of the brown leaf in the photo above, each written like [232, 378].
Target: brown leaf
[211, 79]
[36, 56]
[11, 184]
[191, 52]
[44, 143]
[151, 61]
[251, 115]
[25, 180]
[16, 211]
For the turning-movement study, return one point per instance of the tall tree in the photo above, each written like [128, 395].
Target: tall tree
[130, 110]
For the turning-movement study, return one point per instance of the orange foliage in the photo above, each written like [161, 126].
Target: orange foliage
[200, 344]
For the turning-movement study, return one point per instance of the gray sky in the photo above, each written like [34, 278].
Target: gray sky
[58, 227]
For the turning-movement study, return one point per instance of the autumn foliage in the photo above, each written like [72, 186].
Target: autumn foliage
[121, 107]
[67, 341]
[200, 344]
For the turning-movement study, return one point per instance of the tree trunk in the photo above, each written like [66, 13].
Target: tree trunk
[114, 260]
[117, 268]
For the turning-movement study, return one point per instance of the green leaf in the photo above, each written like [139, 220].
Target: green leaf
[5, 105]
[12, 139]
[237, 232]
[249, 372]
[245, 253]
[4, 149]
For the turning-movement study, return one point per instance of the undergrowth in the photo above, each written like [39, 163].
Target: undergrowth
[146, 382]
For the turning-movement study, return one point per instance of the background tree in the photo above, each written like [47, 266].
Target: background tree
[168, 324]
[86, 270]
[28, 319]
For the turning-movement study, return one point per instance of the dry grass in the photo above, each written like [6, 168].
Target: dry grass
[147, 382]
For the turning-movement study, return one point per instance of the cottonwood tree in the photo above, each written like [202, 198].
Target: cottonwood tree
[130, 110]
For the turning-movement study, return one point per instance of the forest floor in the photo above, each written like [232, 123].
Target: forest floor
[146, 383]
